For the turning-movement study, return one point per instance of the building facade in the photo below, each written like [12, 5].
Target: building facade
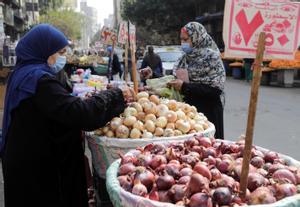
[91, 28]
[211, 16]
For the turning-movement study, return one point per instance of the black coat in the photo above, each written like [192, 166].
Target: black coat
[116, 66]
[208, 101]
[43, 160]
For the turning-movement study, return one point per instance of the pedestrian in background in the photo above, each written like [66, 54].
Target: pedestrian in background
[41, 146]
[205, 73]
[114, 64]
[151, 65]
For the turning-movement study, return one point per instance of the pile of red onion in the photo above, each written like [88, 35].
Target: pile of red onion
[205, 173]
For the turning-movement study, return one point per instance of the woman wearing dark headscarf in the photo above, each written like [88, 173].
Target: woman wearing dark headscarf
[42, 155]
[206, 74]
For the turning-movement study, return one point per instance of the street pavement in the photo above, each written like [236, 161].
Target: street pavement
[277, 125]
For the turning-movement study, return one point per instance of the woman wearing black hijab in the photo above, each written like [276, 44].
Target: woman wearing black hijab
[41, 148]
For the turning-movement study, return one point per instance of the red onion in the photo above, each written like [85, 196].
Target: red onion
[237, 200]
[191, 142]
[224, 165]
[280, 160]
[158, 149]
[200, 200]
[172, 154]
[274, 167]
[262, 172]
[267, 166]
[191, 160]
[225, 181]
[160, 169]
[127, 159]
[125, 182]
[198, 149]
[237, 170]
[284, 175]
[285, 190]
[146, 177]
[209, 152]
[222, 196]
[210, 160]
[157, 160]
[144, 160]
[173, 170]
[186, 172]
[139, 189]
[271, 156]
[164, 197]
[126, 169]
[255, 180]
[217, 145]
[297, 175]
[184, 180]
[261, 195]
[293, 169]
[198, 183]
[215, 173]
[257, 162]
[224, 148]
[234, 148]
[203, 170]
[153, 195]
[257, 153]
[185, 165]
[176, 162]
[177, 192]
[165, 182]
[205, 142]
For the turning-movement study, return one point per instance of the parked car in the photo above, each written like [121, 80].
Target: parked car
[169, 56]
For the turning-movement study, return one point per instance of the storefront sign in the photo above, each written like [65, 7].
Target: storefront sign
[244, 20]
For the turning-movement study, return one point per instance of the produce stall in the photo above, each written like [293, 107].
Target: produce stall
[97, 64]
[149, 120]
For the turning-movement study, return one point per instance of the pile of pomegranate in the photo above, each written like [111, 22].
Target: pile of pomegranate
[204, 172]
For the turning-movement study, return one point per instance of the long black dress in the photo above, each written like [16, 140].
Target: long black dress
[208, 101]
[43, 161]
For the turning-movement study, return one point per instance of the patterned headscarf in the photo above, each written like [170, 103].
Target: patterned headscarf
[204, 64]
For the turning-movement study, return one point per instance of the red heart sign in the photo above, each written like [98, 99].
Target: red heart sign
[248, 28]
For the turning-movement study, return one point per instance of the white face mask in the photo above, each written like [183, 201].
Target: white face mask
[59, 64]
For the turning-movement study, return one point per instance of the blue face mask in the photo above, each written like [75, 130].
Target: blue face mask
[186, 48]
[59, 64]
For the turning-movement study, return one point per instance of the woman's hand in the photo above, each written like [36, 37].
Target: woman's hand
[176, 84]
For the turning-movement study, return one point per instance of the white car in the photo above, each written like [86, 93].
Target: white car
[168, 59]
[169, 55]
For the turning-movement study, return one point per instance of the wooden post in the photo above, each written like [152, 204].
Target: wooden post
[126, 62]
[134, 72]
[111, 59]
[251, 114]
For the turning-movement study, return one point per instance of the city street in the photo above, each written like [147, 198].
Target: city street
[277, 119]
